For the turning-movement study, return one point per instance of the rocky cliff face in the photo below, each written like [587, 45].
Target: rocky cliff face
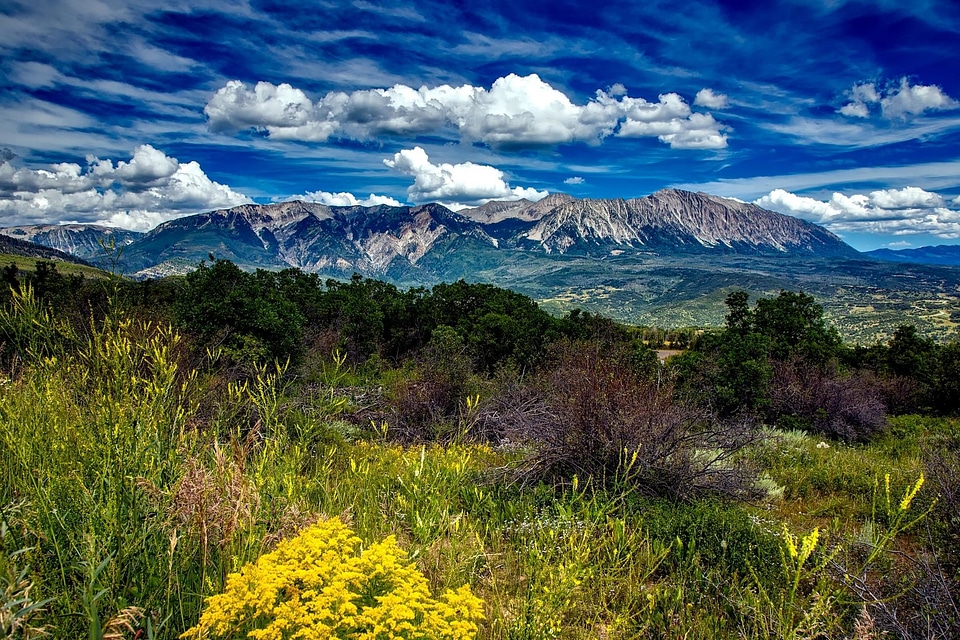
[672, 221]
[88, 242]
[369, 240]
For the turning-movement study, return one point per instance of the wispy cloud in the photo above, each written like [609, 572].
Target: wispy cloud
[928, 175]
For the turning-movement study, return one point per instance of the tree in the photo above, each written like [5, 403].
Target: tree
[247, 314]
[794, 324]
[910, 355]
[739, 317]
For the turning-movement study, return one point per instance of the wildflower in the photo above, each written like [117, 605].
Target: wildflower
[807, 544]
[317, 585]
[911, 494]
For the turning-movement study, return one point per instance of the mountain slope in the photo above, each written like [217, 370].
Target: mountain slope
[330, 240]
[671, 221]
[87, 241]
[17, 247]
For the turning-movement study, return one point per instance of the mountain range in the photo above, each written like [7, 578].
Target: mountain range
[665, 259]
[407, 243]
[945, 254]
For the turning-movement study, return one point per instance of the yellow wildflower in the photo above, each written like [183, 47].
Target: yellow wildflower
[911, 494]
[319, 585]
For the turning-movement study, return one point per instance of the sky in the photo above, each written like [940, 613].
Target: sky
[842, 112]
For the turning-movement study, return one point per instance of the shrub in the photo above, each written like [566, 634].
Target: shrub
[598, 418]
[321, 585]
[817, 399]
[426, 404]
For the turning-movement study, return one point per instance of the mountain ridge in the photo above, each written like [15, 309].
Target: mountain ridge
[376, 240]
[943, 254]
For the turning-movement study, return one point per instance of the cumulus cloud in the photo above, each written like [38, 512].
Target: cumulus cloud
[895, 101]
[574, 180]
[514, 111]
[346, 199]
[455, 185]
[138, 193]
[707, 98]
[906, 211]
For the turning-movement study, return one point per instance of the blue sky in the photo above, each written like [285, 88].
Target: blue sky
[846, 113]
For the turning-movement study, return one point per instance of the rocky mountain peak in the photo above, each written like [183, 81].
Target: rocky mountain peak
[499, 210]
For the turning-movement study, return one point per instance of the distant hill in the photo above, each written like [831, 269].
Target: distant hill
[944, 254]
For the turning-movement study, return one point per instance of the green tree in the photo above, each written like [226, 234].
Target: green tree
[794, 324]
[246, 314]
[911, 356]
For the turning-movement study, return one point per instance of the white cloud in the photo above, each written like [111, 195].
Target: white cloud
[515, 111]
[574, 180]
[912, 100]
[906, 198]
[855, 110]
[138, 193]
[617, 90]
[896, 101]
[891, 211]
[148, 166]
[900, 244]
[707, 98]
[346, 199]
[455, 185]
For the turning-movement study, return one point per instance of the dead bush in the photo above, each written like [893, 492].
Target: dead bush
[592, 416]
[819, 399]
[426, 404]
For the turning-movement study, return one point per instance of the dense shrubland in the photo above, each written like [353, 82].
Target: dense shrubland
[161, 440]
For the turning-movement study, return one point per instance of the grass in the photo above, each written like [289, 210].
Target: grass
[25, 263]
[130, 488]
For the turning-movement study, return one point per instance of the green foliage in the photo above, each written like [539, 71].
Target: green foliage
[779, 360]
[794, 324]
[20, 611]
[247, 315]
[498, 325]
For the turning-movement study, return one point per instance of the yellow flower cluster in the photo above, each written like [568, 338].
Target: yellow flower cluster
[321, 585]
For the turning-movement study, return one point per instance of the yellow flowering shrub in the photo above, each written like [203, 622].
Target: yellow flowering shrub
[320, 584]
